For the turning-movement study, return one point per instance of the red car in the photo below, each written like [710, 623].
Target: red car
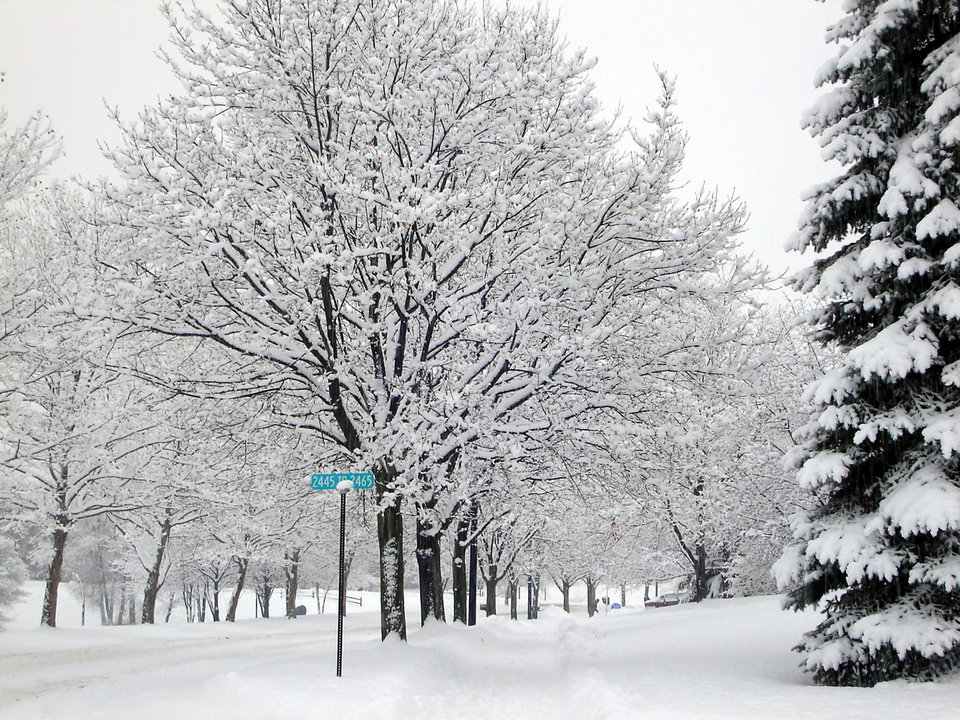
[670, 598]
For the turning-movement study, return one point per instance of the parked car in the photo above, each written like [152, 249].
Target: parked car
[670, 598]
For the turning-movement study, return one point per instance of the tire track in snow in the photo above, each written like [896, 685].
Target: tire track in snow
[28, 675]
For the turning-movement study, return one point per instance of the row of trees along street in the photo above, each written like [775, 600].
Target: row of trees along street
[403, 237]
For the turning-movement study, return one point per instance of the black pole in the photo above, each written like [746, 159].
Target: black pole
[472, 588]
[342, 599]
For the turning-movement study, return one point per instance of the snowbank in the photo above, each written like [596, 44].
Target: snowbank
[719, 659]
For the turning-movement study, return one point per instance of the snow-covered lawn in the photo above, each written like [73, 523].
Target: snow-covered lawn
[721, 659]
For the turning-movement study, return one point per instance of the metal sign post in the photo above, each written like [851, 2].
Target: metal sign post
[343, 488]
[342, 483]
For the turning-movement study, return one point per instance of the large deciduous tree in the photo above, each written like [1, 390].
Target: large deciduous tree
[879, 552]
[413, 212]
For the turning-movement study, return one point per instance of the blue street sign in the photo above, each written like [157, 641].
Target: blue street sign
[334, 481]
[329, 481]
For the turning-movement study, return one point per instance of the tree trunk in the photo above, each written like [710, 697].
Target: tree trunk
[514, 591]
[535, 610]
[591, 596]
[390, 538]
[565, 590]
[264, 592]
[460, 571]
[623, 595]
[292, 571]
[700, 589]
[429, 572]
[472, 586]
[235, 600]
[347, 566]
[186, 594]
[122, 610]
[214, 602]
[491, 589]
[153, 578]
[529, 597]
[54, 571]
[106, 604]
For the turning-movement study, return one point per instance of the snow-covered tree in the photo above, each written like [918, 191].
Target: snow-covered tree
[70, 440]
[181, 483]
[880, 551]
[25, 152]
[413, 212]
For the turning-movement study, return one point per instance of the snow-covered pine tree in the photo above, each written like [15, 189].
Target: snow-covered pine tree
[880, 552]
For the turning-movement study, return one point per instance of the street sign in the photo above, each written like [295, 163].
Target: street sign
[343, 483]
[329, 481]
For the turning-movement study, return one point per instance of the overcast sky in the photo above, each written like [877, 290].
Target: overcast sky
[744, 70]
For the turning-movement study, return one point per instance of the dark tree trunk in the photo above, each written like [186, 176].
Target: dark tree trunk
[235, 600]
[214, 602]
[153, 578]
[700, 589]
[529, 598]
[292, 572]
[186, 594]
[697, 555]
[565, 590]
[54, 572]
[472, 587]
[429, 572]
[460, 571]
[491, 583]
[514, 591]
[535, 609]
[264, 593]
[623, 595]
[591, 596]
[390, 537]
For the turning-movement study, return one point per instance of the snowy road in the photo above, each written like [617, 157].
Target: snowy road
[723, 659]
[36, 674]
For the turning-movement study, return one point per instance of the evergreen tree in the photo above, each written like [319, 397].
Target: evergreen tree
[880, 552]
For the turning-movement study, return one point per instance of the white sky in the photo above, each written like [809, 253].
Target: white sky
[744, 70]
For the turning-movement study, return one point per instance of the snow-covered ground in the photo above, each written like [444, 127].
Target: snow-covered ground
[720, 659]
